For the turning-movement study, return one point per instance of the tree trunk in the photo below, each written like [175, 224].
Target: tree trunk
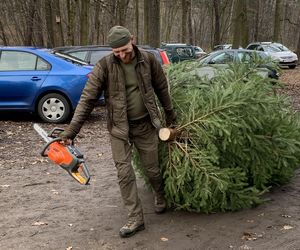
[184, 11]
[216, 7]
[84, 22]
[70, 24]
[50, 29]
[122, 11]
[154, 21]
[191, 39]
[146, 21]
[244, 26]
[257, 21]
[3, 35]
[240, 36]
[137, 16]
[298, 44]
[59, 36]
[277, 22]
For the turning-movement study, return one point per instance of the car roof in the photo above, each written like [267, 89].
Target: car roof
[46, 54]
[29, 48]
[236, 50]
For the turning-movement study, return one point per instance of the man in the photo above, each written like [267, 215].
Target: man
[129, 78]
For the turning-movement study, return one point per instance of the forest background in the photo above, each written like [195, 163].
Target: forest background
[52, 23]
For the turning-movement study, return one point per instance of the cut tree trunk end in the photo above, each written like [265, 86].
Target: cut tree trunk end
[167, 134]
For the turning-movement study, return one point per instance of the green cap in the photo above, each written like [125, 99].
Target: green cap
[118, 36]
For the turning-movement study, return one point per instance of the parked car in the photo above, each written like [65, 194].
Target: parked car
[34, 80]
[199, 52]
[178, 52]
[224, 57]
[93, 53]
[278, 52]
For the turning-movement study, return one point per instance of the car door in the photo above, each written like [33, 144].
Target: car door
[21, 75]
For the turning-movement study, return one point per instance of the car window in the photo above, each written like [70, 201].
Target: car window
[223, 58]
[253, 46]
[245, 57]
[78, 54]
[184, 52]
[96, 55]
[19, 60]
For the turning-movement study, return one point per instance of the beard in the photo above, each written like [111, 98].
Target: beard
[128, 57]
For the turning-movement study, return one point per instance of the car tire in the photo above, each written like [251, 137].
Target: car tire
[54, 108]
[292, 66]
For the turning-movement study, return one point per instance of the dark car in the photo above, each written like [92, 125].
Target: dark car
[37, 81]
[199, 52]
[224, 57]
[178, 52]
[93, 53]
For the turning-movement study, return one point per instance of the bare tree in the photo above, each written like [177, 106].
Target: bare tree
[240, 36]
[84, 24]
[277, 20]
[216, 5]
[146, 21]
[137, 16]
[154, 25]
[184, 11]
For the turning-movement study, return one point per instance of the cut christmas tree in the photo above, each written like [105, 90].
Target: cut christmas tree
[235, 138]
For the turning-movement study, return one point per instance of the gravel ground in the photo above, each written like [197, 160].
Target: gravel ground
[43, 208]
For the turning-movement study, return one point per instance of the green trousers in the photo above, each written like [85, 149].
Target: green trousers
[144, 137]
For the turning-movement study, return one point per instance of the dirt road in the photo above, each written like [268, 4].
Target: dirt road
[41, 207]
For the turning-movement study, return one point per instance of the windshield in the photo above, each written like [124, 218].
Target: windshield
[280, 46]
[271, 48]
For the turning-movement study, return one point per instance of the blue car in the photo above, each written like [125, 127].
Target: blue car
[34, 80]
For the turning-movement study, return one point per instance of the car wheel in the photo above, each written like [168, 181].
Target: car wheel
[292, 66]
[54, 108]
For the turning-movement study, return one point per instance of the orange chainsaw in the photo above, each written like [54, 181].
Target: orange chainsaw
[66, 156]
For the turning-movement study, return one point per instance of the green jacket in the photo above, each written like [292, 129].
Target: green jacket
[108, 75]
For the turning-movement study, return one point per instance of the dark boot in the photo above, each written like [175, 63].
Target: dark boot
[132, 226]
[160, 203]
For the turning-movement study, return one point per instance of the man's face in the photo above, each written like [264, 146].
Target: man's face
[124, 53]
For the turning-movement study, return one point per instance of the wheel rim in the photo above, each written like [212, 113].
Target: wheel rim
[53, 109]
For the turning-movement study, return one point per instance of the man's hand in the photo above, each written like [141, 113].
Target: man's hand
[66, 142]
[171, 119]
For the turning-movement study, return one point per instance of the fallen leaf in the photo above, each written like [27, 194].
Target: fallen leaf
[39, 223]
[69, 248]
[54, 191]
[251, 236]
[245, 247]
[164, 239]
[5, 186]
[287, 227]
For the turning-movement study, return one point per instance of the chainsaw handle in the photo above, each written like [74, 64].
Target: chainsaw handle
[47, 145]
[54, 133]
[83, 177]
